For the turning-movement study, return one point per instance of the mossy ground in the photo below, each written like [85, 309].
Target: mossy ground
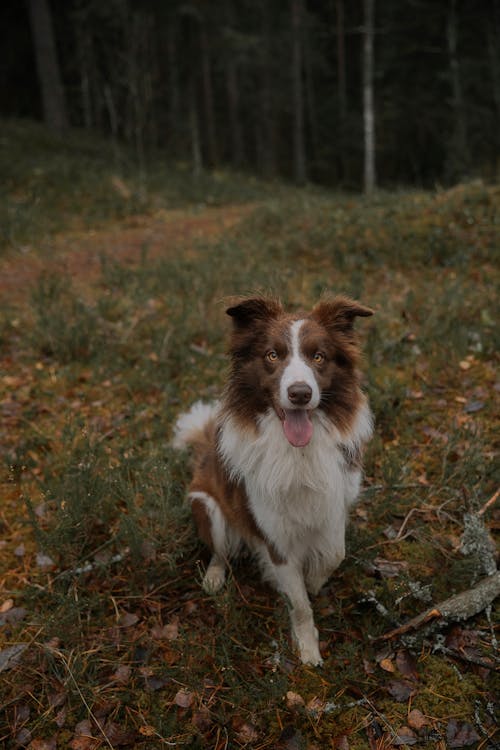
[129, 651]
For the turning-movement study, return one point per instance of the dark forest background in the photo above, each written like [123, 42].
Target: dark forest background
[275, 87]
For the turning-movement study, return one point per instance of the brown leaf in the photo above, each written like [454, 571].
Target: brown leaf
[460, 735]
[389, 568]
[340, 743]
[405, 736]
[416, 719]
[84, 727]
[43, 744]
[168, 632]
[201, 719]
[247, 733]
[406, 664]
[127, 619]
[294, 701]
[82, 742]
[122, 674]
[6, 605]
[183, 698]
[401, 690]
[118, 735]
[387, 665]
[11, 616]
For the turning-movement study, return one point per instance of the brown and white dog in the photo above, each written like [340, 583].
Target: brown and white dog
[277, 462]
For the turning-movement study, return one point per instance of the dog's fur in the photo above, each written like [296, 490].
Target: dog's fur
[277, 462]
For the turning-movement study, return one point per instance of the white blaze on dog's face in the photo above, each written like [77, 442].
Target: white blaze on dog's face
[298, 392]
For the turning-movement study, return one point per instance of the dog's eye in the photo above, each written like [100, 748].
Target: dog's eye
[272, 356]
[319, 358]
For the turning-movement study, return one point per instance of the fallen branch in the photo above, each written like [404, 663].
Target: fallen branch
[459, 607]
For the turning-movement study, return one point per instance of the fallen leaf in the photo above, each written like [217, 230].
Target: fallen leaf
[472, 406]
[44, 561]
[340, 743]
[6, 605]
[43, 744]
[247, 733]
[83, 742]
[127, 619]
[169, 632]
[122, 674]
[387, 665]
[416, 719]
[183, 698]
[401, 690]
[201, 719]
[389, 568]
[405, 736]
[16, 614]
[294, 701]
[10, 656]
[406, 664]
[119, 736]
[460, 735]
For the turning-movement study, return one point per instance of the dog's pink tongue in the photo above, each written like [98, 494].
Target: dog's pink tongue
[298, 427]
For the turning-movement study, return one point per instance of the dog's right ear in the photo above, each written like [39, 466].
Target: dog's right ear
[252, 309]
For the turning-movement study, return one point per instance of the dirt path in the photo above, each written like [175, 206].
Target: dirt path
[79, 254]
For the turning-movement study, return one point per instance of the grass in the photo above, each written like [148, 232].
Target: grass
[100, 566]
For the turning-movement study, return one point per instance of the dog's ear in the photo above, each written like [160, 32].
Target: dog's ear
[251, 309]
[338, 313]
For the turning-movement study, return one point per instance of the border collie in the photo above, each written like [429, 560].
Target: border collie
[277, 462]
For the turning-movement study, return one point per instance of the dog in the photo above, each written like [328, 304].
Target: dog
[277, 461]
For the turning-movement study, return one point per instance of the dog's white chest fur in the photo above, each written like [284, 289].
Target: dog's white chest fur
[298, 496]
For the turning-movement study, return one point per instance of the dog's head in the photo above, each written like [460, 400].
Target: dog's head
[295, 363]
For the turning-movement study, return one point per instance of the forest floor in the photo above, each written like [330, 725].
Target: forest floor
[107, 331]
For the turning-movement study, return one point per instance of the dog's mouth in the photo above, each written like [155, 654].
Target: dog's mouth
[297, 426]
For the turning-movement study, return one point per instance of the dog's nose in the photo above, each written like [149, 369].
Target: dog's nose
[299, 394]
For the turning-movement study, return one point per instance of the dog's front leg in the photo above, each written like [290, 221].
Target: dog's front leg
[290, 581]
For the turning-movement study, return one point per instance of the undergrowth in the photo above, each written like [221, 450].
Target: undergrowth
[100, 565]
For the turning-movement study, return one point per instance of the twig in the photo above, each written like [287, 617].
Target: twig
[458, 607]
[492, 500]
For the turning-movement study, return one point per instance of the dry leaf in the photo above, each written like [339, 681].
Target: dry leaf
[122, 674]
[460, 735]
[247, 733]
[387, 665]
[43, 744]
[6, 605]
[127, 619]
[183, 698]
[416, 719]
[401, 690]
[294, 701]
[407, 665]
[405, 736]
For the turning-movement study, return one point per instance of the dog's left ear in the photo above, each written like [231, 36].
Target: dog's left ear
[338, 313]
[251, 309]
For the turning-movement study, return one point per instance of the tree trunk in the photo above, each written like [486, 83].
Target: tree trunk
[368, 107]
[266, 126]
[458, 157]
[341, 79]
[299, 159]
[208, 97]
[194, 128]
[49, 74]
[311, 98]
[174, 101]
[233, 98]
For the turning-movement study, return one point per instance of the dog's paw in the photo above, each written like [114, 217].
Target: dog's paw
[309, 652]
[310, 655]
[214, 578]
